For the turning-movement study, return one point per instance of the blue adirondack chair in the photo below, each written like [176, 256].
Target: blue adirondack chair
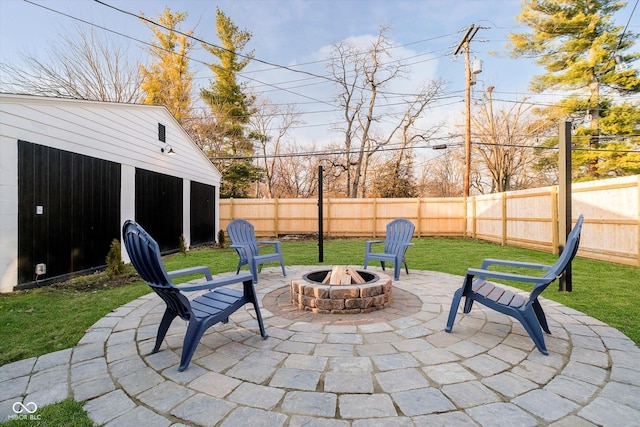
[396, 242]
[527, 311]
[201, 312]
[243, 240]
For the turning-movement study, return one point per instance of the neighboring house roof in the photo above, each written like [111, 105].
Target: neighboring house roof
[118, 132]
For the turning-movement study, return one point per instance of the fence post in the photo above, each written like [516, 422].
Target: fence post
[465, 214]
[276, 221]
[419, 219]
[474, 210]
[554, 221]
[328, 217]
[504, 219]
[375, 217]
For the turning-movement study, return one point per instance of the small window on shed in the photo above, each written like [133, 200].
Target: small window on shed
[162, 133]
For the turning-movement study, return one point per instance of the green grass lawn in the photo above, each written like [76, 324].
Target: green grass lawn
[44, 320]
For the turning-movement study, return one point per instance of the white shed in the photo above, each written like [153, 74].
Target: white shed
[72, 171]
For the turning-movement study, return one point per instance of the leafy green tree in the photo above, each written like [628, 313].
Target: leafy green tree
[617, 140]
[231, 107]
[167, 80]
[577, 43]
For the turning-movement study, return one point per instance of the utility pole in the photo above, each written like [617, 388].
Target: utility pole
[320, 217]
[464, 46]
[564, 198]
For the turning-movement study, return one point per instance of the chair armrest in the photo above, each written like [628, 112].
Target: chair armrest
[215, 283]
[505, 276]
[191, 270]
[490, 261]
[368, 244]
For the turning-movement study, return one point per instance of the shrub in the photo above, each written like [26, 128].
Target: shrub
[221, 238]
[183, 245]
[115, 266]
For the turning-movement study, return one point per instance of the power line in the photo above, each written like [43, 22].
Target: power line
[166, 50]
[626, 26]
[311, 76]
[204, 42]
[540, 147]
[327, 77]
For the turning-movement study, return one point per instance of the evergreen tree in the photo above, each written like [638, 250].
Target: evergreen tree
[167, 81]
[231, 107]
[579, 46]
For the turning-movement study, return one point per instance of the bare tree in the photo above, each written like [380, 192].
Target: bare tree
[362, 77]
[398, 171]
[359, 76]
[442, 175]
[207, 133]
[269, 126]
[81, 65]
[504, 144]
[294, 175]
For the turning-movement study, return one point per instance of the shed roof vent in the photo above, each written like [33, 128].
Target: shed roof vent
[162, 133]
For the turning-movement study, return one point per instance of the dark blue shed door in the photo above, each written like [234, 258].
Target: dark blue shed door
[68, 212]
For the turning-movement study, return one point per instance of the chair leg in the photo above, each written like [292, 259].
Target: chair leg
[468, 305]
[396, 271]
[167, 318]
[191, 340]
[453, 311]
[250, 294]
[537, 308]
[382, 264]
[284, 273]
[530, 322]
[406, 267]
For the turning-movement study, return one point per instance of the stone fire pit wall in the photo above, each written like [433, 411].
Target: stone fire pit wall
[342, 299]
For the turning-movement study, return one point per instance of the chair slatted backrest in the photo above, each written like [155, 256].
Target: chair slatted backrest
[568, 253]
[399, 233]
[144, 253]
[241, 232]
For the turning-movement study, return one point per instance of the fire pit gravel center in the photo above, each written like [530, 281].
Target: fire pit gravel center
[309, 293]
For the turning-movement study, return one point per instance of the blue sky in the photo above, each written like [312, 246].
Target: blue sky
[295, 32]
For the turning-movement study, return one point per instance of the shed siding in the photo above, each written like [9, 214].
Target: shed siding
[120, 133]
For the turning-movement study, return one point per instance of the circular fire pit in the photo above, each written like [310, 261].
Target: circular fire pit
[373, 292]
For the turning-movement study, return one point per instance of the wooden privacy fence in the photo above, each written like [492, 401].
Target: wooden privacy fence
[527, 218]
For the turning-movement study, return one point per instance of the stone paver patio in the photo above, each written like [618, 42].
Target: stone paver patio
[392, 367]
